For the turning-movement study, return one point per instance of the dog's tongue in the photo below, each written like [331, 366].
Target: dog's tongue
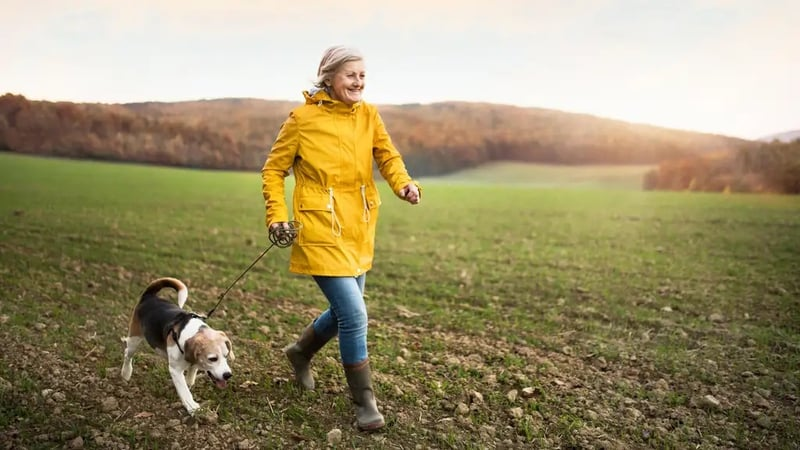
[221, 383]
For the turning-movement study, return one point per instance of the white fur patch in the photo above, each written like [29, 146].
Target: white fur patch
[191, 328]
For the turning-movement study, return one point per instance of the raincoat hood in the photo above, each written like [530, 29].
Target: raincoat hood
[320, 97]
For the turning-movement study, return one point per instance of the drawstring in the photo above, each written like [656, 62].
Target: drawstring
[336, 227]
[364, 200]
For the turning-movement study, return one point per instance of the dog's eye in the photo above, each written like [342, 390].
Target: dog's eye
[213, 359]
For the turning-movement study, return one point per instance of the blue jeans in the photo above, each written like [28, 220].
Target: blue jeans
[346, 316]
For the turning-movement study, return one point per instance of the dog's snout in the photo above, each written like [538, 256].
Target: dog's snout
[227, 375]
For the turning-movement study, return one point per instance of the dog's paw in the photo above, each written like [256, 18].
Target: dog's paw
[192, 408]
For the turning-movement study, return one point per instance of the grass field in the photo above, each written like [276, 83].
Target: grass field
[552, 176]
[500, 316]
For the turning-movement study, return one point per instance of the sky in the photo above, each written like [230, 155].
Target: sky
[730, 67]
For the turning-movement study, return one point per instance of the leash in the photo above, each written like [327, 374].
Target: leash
[280, 237]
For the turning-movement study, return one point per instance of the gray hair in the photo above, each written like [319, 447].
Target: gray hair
[333, 58]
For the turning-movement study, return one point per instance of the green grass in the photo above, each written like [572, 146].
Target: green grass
[618, 309]
[551, 176]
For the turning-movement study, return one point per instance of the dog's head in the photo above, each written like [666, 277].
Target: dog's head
[211, 350]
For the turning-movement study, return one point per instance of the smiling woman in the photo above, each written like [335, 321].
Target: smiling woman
[341, 72]
[330, 143]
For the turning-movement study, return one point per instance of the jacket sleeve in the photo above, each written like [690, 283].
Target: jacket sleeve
[276, 169]
[390, 162]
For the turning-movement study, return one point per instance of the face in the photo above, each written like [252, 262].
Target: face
[348, 82]
[212, 351]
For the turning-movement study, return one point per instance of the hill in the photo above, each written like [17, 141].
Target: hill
[786, 136]
[549, 175]
[435, 138]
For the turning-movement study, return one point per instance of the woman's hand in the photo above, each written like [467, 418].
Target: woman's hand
[283, 234]
[279, 225]
[410, 193]
[278, 229]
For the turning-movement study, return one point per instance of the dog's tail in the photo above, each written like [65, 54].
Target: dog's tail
[174, 283]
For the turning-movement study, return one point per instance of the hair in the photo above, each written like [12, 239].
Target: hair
[333, 58]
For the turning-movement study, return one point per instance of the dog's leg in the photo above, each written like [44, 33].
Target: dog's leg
[191, 374]
[127, 366]
[183, 389]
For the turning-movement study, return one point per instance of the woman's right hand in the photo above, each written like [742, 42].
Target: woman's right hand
[282, 234]
[278, 225]
[279, 228]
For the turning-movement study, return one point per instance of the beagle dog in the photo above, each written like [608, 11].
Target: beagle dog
[184, 338]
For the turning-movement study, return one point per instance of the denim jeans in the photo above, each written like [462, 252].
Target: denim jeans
[346, 316]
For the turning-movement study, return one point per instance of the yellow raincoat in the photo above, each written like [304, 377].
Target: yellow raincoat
[330, 146]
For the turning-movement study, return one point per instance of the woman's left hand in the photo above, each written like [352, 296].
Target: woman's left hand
[410, 193]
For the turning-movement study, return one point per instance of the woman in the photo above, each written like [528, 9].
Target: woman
[330, 143]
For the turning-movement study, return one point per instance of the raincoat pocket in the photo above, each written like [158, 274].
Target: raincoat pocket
[317, 216]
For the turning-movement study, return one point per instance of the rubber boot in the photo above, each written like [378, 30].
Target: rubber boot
[300, 354]
[359, 378]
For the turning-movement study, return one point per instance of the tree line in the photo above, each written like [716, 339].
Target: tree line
[763, 167]
[435, 139]
[113, 132]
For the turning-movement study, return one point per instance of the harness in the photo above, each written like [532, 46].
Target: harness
[185, 319]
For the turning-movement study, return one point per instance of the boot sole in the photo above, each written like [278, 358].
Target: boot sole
[372, 426]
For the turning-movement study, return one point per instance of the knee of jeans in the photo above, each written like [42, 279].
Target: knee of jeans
[354, 322]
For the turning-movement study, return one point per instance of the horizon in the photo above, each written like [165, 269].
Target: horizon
[710, 66]
[398, 104]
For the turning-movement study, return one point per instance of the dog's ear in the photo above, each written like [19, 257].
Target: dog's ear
[228, 344]
[193, 348]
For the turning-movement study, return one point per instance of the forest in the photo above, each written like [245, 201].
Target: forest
[435, 139]
[764, 167]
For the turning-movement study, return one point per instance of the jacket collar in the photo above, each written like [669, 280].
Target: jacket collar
[320, 97]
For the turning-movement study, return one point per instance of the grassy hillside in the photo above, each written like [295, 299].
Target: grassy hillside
[499, 316]
[435, 139]
[548, 175]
